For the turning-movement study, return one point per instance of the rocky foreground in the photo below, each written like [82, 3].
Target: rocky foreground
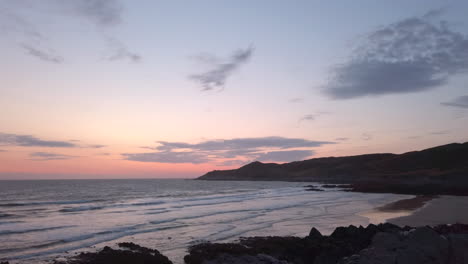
[383, 243]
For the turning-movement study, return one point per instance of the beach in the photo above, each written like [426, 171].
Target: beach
[440, 210]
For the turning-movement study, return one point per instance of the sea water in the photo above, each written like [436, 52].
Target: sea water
[40, 220]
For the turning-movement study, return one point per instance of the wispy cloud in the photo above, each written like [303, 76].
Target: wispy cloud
[286, 155]
[230, 151]
[438, 133]
[296, 100]
[48, 56]
[121, 52]
[44, 156]
[32, 41]
[220, 70]
[96, 146]
[412, 55]
[308, 117]
[341, 139]
[312, 117]
[366, 136]
[31, 141]
[461, 102]
[168, 157]
[101, 14]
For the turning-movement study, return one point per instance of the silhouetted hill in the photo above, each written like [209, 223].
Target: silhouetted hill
[443, 167]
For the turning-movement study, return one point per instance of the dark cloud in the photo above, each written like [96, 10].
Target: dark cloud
[2, 150]
[48, 56]
[412, 55]
[43, 156]
[461, 102]
[31, 141]
[231, 151]
[220, 70]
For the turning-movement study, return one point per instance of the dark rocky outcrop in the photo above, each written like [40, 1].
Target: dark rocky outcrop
[421, 245]
[438, 170]
[381, 243]
[130, 254]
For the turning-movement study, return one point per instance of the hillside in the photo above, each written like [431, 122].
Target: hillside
[443, 167]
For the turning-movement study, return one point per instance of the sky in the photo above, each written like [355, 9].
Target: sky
[174, 89]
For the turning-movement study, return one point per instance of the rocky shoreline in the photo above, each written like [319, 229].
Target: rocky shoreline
[383, 243]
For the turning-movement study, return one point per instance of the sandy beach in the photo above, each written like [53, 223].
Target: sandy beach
[441, 210]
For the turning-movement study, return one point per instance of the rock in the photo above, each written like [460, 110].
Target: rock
[382, 244]
[315, 234]
[245, 259]
[458, 245]
[315, 189]
[330, 186]
[133, 254]
[419, 246]
[455, 229]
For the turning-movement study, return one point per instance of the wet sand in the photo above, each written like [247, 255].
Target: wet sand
[431, 211]
[410, 204]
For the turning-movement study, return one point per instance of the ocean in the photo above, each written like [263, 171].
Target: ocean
[40, 220]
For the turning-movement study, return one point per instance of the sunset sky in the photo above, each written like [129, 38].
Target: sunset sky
[119, 89]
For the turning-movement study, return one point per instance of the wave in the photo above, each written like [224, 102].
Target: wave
[5, 215]
[32, 230]
[19, 204]
[100, 237]
[80, 208]
[38, 246]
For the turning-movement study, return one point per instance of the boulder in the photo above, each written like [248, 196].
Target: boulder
[132, 254]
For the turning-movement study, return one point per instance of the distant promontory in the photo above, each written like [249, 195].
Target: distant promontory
[437, 170]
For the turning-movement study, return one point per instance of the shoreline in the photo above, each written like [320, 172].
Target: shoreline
[422, 210]
[441, 210]
[346, 245]
[406, 211]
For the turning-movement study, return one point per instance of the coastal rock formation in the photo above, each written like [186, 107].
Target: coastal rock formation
[130, 254]
[383, 243]
[420, 245]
